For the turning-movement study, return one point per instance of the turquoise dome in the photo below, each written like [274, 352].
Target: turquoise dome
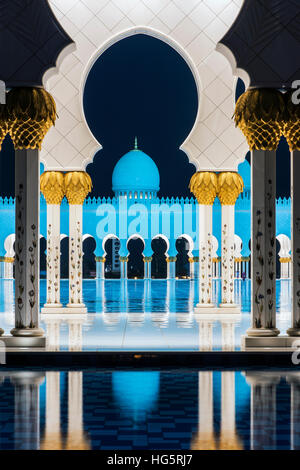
[135, 171]
[244, 170]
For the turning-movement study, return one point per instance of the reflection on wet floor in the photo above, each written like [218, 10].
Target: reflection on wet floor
[145, 315]
[153, 409]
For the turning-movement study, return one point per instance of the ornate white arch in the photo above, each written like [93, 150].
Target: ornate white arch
[191, 28]
[107, 237]
[190, 242]
[133, 237]
[285, 245]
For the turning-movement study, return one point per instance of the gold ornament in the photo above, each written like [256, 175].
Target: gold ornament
[29, 113]
[77, 186]
[291, 129]
[204, 185]
[230, 186]
[259, 113]
[3, 126]
[285, 260]
[53, 186]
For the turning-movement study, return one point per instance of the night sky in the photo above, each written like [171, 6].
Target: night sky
[141, 87]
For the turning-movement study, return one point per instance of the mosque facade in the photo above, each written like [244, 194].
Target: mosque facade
[137, 212]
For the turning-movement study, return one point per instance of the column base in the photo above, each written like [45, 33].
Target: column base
[52, 308]
[205, 308]
[293, 331]
[27, 332]
[24, 341]
[262, 332]
[229, 308]
[269, 342]
[75, 308]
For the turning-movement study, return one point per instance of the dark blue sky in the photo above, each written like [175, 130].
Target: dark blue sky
[140, 86]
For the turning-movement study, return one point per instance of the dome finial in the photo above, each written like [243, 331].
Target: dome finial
[136, 143]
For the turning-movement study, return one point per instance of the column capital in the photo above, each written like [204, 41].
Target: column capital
[230, 186]
[29, 113]
[77, 186]
[204, 186]
[147, 259]
[291, 129]
[124, 258]
[259, 113]
[171, 259]
[100, 259]
[52, 186]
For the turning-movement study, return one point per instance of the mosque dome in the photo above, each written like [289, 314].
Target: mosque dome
[135, 171]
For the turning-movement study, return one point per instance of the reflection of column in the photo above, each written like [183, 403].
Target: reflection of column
[76, 439]
[205, 438]
[123, 266]
[27, 247]
[27, 409]
[52, 322]
[229, 439]
[259, 114]
[205, 334]
[100, 267]
[75, 333]
[204, 186]
[171, 267]
[228, 334]
[52, 187]
[77, 186]
[294, 380]
[230, 185]
[52, 438]
[263, 409]
[147, 267]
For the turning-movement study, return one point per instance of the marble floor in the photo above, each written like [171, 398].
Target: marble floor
[145, 315]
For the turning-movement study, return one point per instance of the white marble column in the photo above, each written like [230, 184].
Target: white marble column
[27, 246]
[123, 266]
[263, 409]
[295, 249]
[77, 186]
[171, 267]
[147, 266]
[8, 268]
[284, 268]
[263, 244]
[192, 268]
[100, 267]
[52, 187]
[205, 259]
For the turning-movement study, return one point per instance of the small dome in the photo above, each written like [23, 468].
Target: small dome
[244, 169]
[135, 171]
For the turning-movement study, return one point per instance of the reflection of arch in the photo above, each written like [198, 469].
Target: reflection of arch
[135, 267]
[147, 31]
[88, 260]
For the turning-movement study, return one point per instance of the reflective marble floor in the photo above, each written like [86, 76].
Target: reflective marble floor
[118, 410]
[145, 315]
